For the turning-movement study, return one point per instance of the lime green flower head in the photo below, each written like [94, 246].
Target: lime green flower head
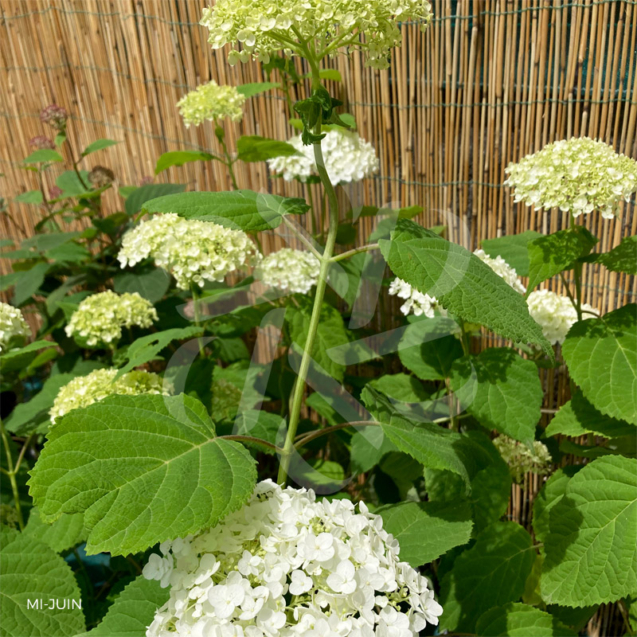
[264, 27]
[522, 459]
[86, 390]
[13, 328]
[211, 102]
[577, 176]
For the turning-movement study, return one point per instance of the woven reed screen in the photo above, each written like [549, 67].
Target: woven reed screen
[490, 81]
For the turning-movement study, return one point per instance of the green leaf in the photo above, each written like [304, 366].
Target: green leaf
[262, 425]
[427, 530]
[32, 571]
[50, 240]
[549, 255]
[147, 348]
[71, 185]
[113, 224]
[179, 158]
[601, 355]
[136, 200]
[578, 418]
[622, 258]
[463, 284]
[99, 144]
[240, 209]
[331, 74]
[65, 533]
[68, 253]
[491, 573]
[251, 148]
[143, 469]
[31, 196]
[21, 358]
[132, 611]
[45, 155]
[330, 333]
[254, 88]
[501, 389]
[428, 348]
[150, 283]
[29, 282]
[591, 543]
[513, 249]
[520, 620]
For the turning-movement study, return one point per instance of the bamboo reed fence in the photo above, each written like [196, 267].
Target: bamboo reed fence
[489, 82]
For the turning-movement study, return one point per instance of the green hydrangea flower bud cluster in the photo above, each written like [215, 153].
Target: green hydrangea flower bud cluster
[211, 102]
[264, 27]
[13, 327]
[522, 459]
[577, 176]
[294, 270]
[193, 251]
[99, 318]
[86, 390]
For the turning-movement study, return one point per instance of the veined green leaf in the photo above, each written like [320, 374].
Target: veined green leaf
[99, 144]
[136, 200]
[252, 148]
[65, 533]
[513, 249]
[520, 620]
[254, 88]
[622, 258]
[179, 158]
[20, 358]
[43, 156]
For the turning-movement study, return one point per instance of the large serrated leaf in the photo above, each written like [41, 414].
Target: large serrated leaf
[136, 200]
[520, 620]
[179, 158]
[463, 284]
[65, 533]
[501, 389]
[143, 469]
[427, 530]
[32, 572]
[601, 355]
[622, 258]
[240, 209]
[251, 148]
[491, 573]
[591, 540]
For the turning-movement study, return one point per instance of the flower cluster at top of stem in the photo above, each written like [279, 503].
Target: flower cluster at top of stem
[522, 459]
[99, 318]
[193, 251]
[577, 176]
[421, 304]
[264, 27]
[13, 328]
[286, 565]
[555, 314]
[348, 158]
[86, 390]
[211, 102]
[293, 270]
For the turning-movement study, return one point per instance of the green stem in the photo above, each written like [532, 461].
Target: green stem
[577, 275]
[195, 305]
[299, 387]
[301, 238]
[351, 253]
[310, 197]
[11, 473]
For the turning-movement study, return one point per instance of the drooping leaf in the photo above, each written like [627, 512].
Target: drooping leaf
[99, 144]
[252, 148]
[520, 620]
[65, 533]
[136, 200]
[463, 284]
[43, 156]
[491, 573]
[601, 354]
[31, 571]
[179, 158]
[263, 425]
[143, 469]
[427, 530]
[150, 283]
[254, 88]
[622, 258]
[50, 240]
[132, 611]
[21, 358]
[578, 417]
[31, 196]
[591, 542]
[501, 389]
[28, 282]
[240, 209]
[513, 249]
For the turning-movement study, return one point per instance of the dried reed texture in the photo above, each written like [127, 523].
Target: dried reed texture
[489, 82]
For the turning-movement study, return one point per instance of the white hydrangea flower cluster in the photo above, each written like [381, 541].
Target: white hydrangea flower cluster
[348, 158]
[555, 314]
[522, 459]
[421, 304]
[502, 269]
[264, 27]
[13, 327]
[211, 102]
[288, 269]
[86, 390]
[100, 317]
[578, 175]
[287, 565]
[193, 251]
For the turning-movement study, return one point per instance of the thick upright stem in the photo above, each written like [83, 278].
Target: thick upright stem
[299, 387]
[11, 472]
